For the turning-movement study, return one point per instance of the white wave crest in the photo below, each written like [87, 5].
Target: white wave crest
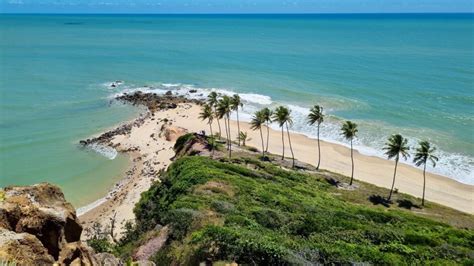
[106, 151]
[84, 209]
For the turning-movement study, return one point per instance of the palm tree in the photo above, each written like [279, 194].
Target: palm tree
[316, 117]
[235, 103]
[349, 131]
[267, 114]
[424, 153]
[223, 110]
[396, 146]
[243, 136]
[283, 117]
[212, 100]
[208, 114]
[257, 121]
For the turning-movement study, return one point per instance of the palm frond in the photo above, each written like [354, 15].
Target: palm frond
[282, 116]
[316, 115]
[212, 98]
[257, 121]
[397, 145]
[236, 102]
[349, 130]
[425, 152]
[267, 114]
[206, 113]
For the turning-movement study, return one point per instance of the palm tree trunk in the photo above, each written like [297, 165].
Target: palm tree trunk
[393, 182]
[218, 123]
[212, 136]
[238, 126]
[352, 161]
[283, 142]
[226, 133]
[263, 145]
[424, 184]
[291, 149]
[230, 137]
[268, 135]
[319, 151]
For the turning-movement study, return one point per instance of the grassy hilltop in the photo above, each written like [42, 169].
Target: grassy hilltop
[255, 212]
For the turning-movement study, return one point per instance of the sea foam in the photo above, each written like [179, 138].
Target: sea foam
[106, 151]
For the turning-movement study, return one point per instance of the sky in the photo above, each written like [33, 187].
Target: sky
[235, 6]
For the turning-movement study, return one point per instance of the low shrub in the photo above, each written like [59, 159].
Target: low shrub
[282, 217]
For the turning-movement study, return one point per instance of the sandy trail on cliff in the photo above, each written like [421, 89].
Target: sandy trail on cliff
[154, 153]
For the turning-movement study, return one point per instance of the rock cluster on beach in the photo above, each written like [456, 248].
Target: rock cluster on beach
[152, 101]
[38, 226]
[155, 102]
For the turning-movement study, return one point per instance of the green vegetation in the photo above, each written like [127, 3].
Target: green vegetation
[212, 100]
[282, 116]
[224, 108]
[255, 212]
[258, 119]
[221, 106]
[235, 104]
[244, 137]
[267, 115]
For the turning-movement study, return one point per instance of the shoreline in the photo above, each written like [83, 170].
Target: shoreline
[155, 152]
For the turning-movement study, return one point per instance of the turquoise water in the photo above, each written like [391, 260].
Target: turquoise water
[412, 74]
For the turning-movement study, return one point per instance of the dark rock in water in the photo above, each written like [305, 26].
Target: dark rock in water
[113, 85]
[39, 225]
[192, 91]
[155, 102]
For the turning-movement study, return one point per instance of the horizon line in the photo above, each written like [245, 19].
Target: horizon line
[229, 13]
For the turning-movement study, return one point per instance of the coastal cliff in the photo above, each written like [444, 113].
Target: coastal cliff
[38, 227]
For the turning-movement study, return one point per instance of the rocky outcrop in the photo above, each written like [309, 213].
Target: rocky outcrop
[107, 259]
[38, 226]
[152, 101]
[172, 133]
[191, 144]
[155, 102]
[145, 251]
[23, 248]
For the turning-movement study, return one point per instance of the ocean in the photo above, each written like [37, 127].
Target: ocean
[390, 73]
